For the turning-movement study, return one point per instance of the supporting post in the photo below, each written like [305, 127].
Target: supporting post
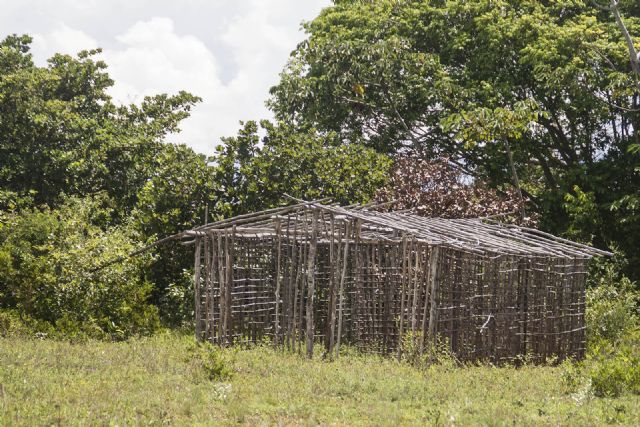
[433, 285]
[278, 280]
[334, 265]
[221, 285]
[311, 283]
[228, 248]
[402, 295]
[425, 307]
[342, 278]
[196, 289]
[416, 290]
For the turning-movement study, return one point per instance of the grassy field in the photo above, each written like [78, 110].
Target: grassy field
[165, 380]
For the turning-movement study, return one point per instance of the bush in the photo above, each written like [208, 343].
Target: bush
[435, 353]
[211, 361]
[14, 324]
[612, 306]
[49, 272]
[612, 366]
[615, 366]
[612, 311]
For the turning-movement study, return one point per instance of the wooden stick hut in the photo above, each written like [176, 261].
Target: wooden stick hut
[314, 273]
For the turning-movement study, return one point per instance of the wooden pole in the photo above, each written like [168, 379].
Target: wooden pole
[425, 307]
[416, 289]
[221, 287]
[342, 279]
[278, 228]
[196, 290]
[334, 265]
[402, 295]
[433, 285]
[311, 283]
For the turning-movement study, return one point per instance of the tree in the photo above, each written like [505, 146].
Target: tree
[439, 189]
[173, 199]
[537, 95]
[634, 57]
[48, 271]
[61, 133]
[253, 174]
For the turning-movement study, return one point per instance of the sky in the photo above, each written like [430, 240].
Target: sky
[229, 52]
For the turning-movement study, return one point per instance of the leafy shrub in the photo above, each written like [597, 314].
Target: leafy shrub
[572, 375]
[211, 360]
[215, 366]
[615, 366]
[14, 324]
[612, 306]
[49, 272]
[612, 366]
[435, 353]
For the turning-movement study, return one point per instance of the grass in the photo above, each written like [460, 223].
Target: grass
[164, 380]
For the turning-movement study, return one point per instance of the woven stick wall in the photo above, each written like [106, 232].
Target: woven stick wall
[313, 274]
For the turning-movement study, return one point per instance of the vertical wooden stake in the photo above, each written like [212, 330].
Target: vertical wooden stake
[334, 265]
[277, 320]
[196, 289]
[416, 290]
[356, 306]
[402, 295]
[293, 284]
[342, 278]
[425, 308]
[221, 288]
[433, 285]
[227, 322]
[311, 283]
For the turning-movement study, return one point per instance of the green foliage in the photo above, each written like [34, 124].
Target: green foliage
[612, 307]
[215, 363]
[304, 164]
[612, 365]
[61, 133]
[613, 334]
[583, 215]
[174, 199]
[48, 262]
[461, 79]
[436, 354]
[16, 324]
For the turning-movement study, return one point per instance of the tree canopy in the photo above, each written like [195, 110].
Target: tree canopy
[536, 94]
[62, 134]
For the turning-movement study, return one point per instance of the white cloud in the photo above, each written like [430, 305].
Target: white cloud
[228, 52]
[152, 58]
[64, 40]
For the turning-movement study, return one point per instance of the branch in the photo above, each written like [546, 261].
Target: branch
[416, 144]
[601, 7]
[635, 63]
[516, 180]
[633, 54]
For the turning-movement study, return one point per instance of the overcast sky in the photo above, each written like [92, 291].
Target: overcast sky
[229, 52]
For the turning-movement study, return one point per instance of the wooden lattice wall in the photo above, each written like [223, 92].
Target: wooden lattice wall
[306, 279]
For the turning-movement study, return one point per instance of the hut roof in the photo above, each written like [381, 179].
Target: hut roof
[477, 235]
